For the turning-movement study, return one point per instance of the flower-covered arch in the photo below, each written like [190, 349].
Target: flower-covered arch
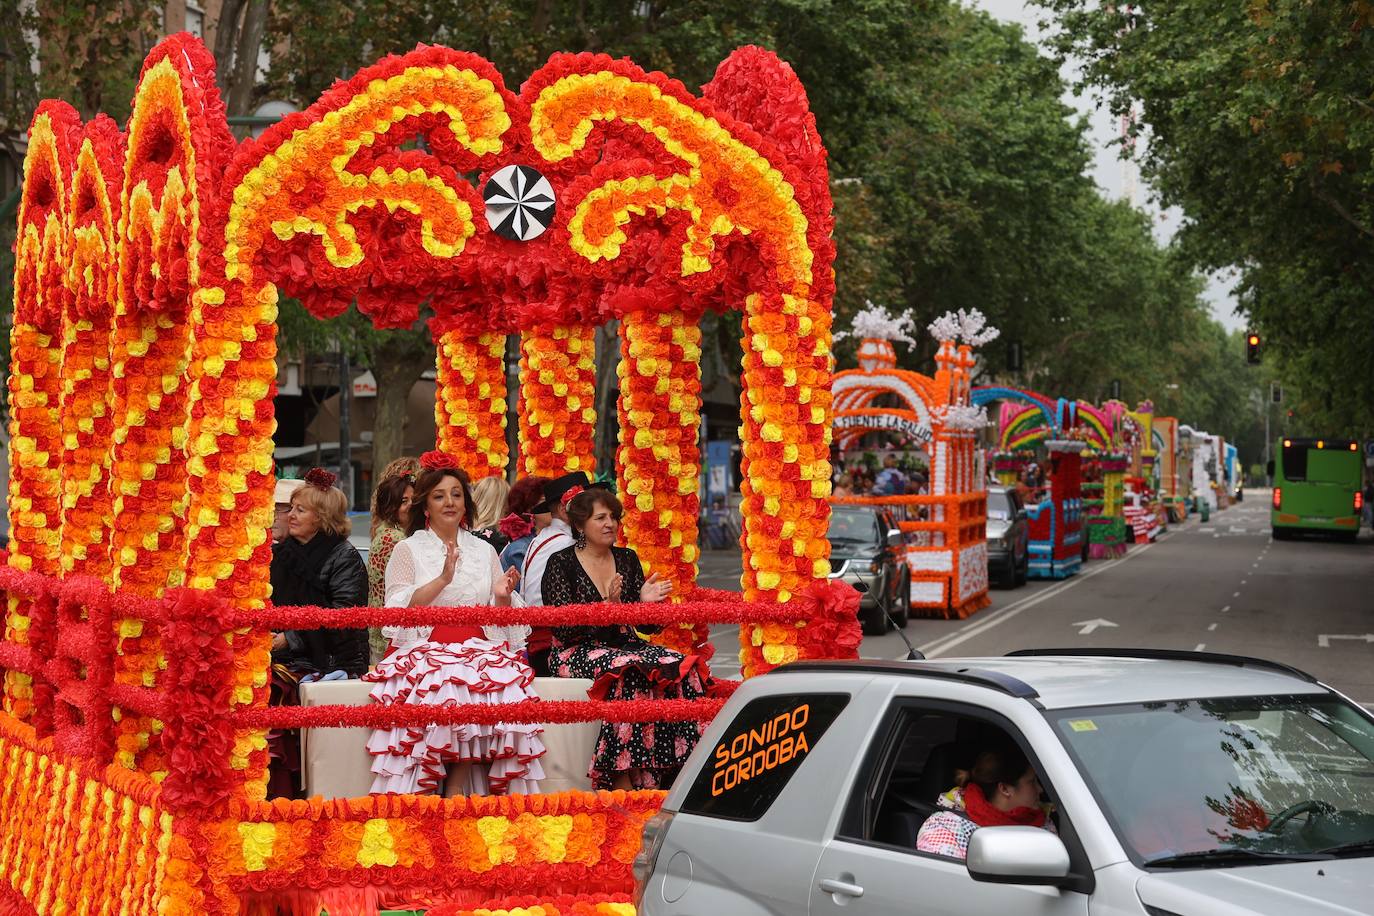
[150, 267]
[947, 549]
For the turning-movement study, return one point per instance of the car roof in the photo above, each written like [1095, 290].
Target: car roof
[1098, 678]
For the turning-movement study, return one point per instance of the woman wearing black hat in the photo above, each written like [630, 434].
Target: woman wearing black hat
[622, 664]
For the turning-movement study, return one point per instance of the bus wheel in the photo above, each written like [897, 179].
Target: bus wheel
[1282, 534]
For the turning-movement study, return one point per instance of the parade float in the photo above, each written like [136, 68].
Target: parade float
[946, 527]
[1146, 512]
[1035, 429]
[149, 265]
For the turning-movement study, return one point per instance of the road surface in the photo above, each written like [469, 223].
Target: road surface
[1219, 586]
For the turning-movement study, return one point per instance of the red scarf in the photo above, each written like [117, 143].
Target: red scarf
[985, 814]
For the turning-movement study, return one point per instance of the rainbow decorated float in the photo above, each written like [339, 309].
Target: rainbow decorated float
[1033, 426]
[149, 266]
[946, 549]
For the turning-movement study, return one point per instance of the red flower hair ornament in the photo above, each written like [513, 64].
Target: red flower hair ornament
[515, 526]
[435, 460]
[321, 479]
[567, 497]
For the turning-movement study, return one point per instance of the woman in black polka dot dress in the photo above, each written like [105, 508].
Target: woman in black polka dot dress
[621, 663]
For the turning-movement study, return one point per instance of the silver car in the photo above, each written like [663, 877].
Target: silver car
[1180, 784]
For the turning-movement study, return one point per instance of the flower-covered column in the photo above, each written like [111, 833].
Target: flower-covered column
[659, 458]
[178, 144]
[786, 430]
[558, 401]
[87, 424]
[35, 358]
[470, 403]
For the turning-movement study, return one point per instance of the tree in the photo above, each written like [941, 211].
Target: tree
[397, 359]
[1260, 127]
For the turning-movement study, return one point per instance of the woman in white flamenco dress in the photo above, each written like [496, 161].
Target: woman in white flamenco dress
[443, 564]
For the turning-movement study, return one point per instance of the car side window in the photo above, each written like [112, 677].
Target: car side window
[911, 775]
[756, 756]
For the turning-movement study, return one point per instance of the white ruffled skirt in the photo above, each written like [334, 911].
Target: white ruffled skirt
[504, 757]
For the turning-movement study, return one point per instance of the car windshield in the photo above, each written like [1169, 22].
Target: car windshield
[999, 506]
[1272, 776]
[853, 527]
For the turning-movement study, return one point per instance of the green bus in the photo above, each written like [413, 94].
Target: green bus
[1317, 487]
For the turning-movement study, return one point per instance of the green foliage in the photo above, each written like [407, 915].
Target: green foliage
[1260, 126]
[958, 174]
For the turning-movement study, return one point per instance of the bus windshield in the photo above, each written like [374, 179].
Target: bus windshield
[1304, 463]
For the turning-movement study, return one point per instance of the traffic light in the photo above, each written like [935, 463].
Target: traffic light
[1276, 393]
[1252, 347]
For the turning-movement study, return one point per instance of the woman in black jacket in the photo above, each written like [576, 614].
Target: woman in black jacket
[316, 565]
[313, 565]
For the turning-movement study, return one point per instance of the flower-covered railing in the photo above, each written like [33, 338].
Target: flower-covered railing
[219, 852]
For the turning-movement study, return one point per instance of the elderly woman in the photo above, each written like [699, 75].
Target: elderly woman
[316, 565]
[443, 564]
[622, 664]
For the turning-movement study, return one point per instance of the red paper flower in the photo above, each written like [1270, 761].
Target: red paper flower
[435, 460]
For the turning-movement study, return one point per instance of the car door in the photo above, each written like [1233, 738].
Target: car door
[865, 872]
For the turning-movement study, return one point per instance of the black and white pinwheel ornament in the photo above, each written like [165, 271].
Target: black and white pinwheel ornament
[520, 203]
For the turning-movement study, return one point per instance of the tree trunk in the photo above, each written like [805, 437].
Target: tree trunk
[397, 365]
[607, 419]
[226, 37]
[246, 57]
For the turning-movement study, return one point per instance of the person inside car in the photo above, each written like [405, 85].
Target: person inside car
[1002, 790]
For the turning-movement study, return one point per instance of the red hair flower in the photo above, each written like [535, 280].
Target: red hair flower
[435, 460]
[321, 479]
[515, 526]
[568, 496]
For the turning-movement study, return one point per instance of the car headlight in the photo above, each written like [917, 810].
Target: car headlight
[997, 542]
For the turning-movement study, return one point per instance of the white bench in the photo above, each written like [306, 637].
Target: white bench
[335, 762]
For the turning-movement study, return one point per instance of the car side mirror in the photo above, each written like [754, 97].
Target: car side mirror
[1022, 515]
[894, 537]
[1017, 855]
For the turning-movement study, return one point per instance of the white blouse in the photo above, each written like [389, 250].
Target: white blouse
[419, 559]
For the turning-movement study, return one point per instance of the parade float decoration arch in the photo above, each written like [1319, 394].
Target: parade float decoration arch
[947, 555]
[1065, 430]
[149, 267]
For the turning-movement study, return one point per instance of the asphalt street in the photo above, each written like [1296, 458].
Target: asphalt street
[1220, 586]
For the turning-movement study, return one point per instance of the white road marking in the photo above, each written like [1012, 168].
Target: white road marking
[1235, 594]
[1324, 639]
[1211, 627]
[1225, 609]
[1200, 646]
[1243, 581]
[1089, 625]
[978, 627]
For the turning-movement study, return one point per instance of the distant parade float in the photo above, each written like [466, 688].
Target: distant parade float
[946, 528]
[150, 262]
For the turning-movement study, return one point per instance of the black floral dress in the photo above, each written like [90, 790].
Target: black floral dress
[624, 666]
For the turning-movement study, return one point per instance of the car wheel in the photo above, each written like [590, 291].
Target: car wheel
[874, 620]
[1023, 571]
[901, 614]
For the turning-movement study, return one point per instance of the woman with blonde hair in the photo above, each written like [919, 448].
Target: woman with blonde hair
[316, 565]
[490, 495]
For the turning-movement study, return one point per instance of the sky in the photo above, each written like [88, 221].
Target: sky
[1114, 177]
